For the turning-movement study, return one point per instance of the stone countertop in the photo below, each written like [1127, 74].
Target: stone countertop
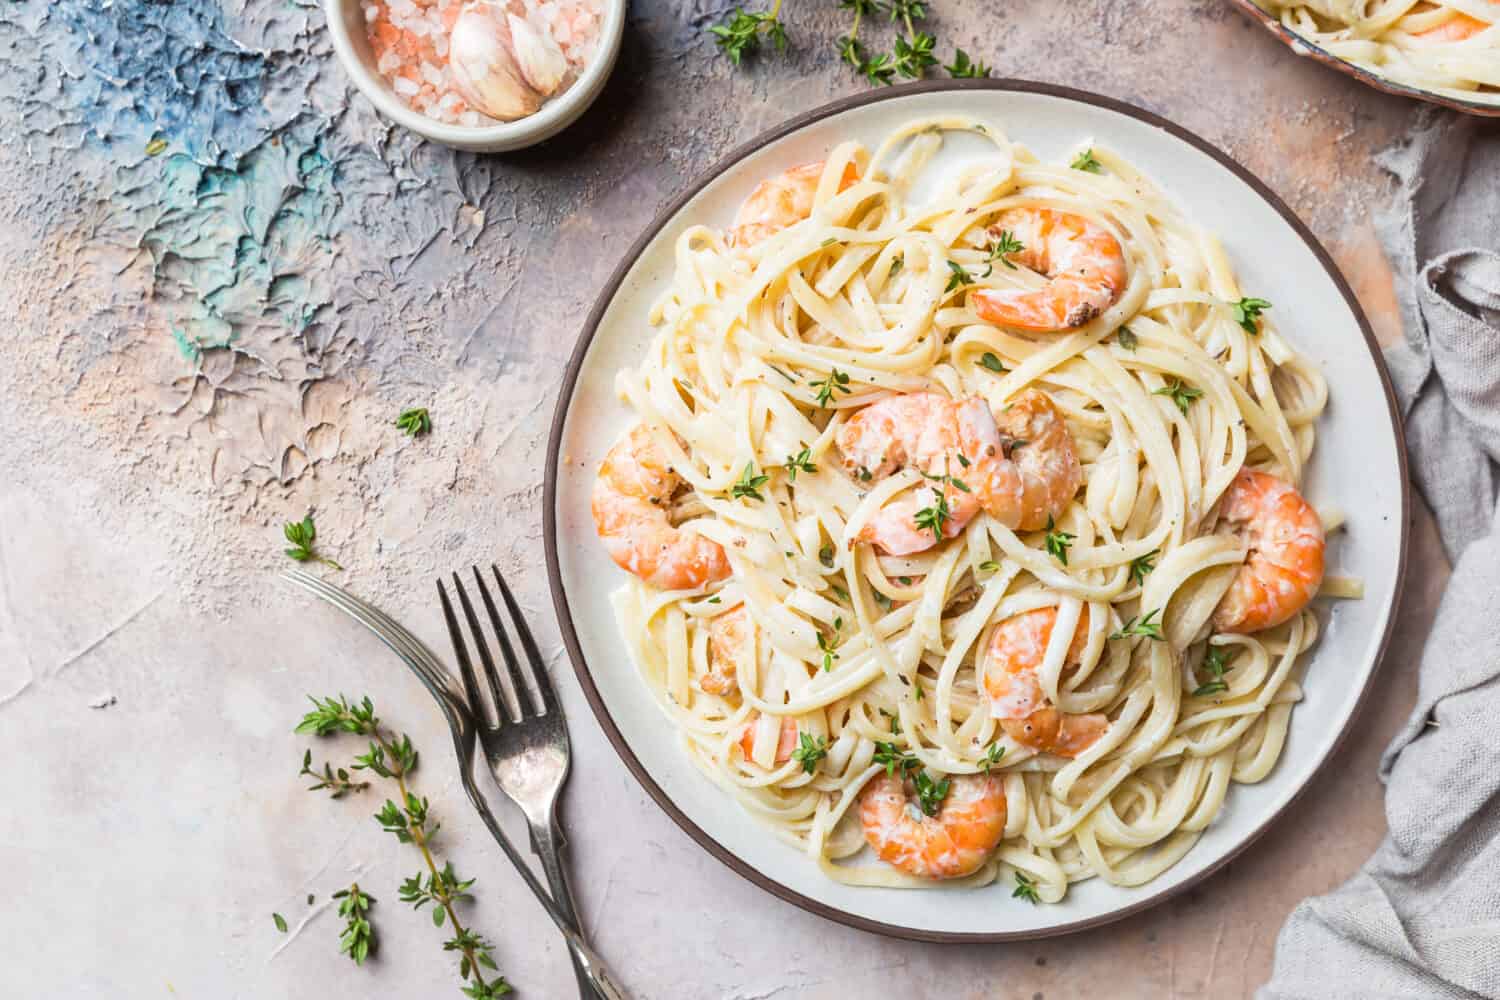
[226, 275]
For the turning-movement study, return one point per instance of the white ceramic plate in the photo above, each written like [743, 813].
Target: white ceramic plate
[1359, 464]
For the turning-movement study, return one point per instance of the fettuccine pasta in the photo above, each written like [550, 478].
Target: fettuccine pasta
[1451, 47]
[962, 533]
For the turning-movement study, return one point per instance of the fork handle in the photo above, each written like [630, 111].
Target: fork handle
[585, 959]
[547, 842]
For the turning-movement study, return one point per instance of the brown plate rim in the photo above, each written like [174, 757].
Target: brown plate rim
[570, 380]
[1303, 47]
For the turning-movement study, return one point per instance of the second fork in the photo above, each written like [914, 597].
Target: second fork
[521, 726]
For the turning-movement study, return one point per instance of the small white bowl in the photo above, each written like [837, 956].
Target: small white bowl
[346, 23]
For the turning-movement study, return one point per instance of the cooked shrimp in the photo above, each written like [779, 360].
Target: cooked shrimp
[1041, 448]
[1008, 671]
[786, 740]
[630, 505]
[731, 639]
[781, 201]
[1284, 567]
[1082, 259]
[952, 844]
[1020, 468]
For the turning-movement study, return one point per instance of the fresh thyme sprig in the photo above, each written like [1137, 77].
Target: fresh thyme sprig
[358, 937]
[1058, 542]
[302, 534]
[1144, 627]
[1006, 243]
[958, 277]
[741, 32]
[749, 484]
[930, 793]
[963, 68]
[414, 421]
[800, 462]
[810, 750]
[836, 381]
[1025, 889]
[394, 758]
[829, 646]
[1182, 394]
[933, 518]
[1247, 313]
[337, 781]
[1086, 162]
[992, 755]
[893, 759]
[1141, 565]
[1215, 662]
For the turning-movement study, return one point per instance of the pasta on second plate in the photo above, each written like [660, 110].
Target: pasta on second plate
[966, 528]
[1451, 47]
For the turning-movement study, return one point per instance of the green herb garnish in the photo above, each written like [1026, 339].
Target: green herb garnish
[1141, 565]
[1086, 162]
[414, 421]
[836, 381]
[1144, 627]
[933, 518]
[1180, 392]
[963, 68]
[742, 31]
[800, 462]
[1006, 244]
[993, 363]
[1247, 313]
[1058, 542]
[280, 922]
[1025, 889]
[893, 760]
[410, 822]
[749, 484]
[337, 781]
[958, 277]
[991, 756]
[1126, 338]
[828, 645]
[930, 793]
[302, 534]
[358, 937]
[810, 750]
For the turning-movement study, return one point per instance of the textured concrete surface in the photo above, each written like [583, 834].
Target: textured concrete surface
[211, 336]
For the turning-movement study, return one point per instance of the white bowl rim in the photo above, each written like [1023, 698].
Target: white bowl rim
[554, 464]
[553, 117]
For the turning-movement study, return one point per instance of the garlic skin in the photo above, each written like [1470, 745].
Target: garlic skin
[542, 62]
[481, 54]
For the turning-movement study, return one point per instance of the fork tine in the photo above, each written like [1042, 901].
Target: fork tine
[503, 708]
[512, 665]
[538, 670]
[465, 667]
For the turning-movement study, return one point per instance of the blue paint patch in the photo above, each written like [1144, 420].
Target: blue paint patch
[135, 69]
[246, 254]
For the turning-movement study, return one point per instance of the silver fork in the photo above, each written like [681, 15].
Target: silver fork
[439, 684]
[521, 726]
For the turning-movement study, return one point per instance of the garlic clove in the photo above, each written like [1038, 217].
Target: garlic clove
[481, 56]
[542, 62]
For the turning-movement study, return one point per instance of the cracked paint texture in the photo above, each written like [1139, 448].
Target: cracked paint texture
[224, 275]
